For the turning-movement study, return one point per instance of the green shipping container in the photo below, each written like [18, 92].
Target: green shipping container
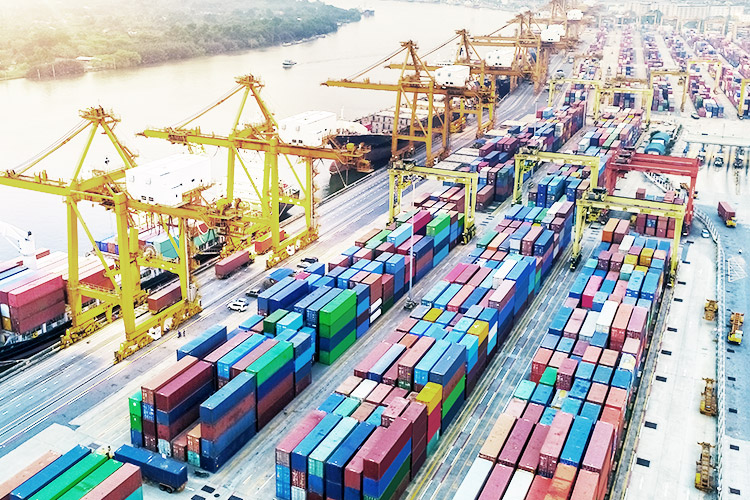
[486, 239]
[401, 476]
[194, 458]
[269, 323]
[377, 240]
[328, 357]
[134, 404]
[453, 396]
[549, 376]
[92, 480]
[524, 390]
[317, 459]
[70, 477]
[404, 217]
[136, 423]
[342, 307]
[346, 407]
[439, 223]
[433, 443]
[269, 363]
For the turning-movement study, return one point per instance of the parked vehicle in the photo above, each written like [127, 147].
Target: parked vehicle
[239, 305]
[727, 214]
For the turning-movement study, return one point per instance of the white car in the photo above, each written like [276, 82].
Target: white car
[239, 305]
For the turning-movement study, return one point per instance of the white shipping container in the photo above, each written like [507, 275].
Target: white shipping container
[364, 389]
[474, 480]
[627, 363]
[165, 181]
[519, 485]
[589, 325]
[501, 58]
[505, 268]
[307, 128]
[606, 317]
[452, 76]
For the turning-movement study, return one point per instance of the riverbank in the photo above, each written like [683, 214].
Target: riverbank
[40, 46]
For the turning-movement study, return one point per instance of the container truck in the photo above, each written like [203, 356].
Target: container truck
[727, 214]
[169, 474]
[231, 263]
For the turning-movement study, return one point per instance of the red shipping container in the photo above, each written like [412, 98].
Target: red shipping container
[587, 486]
[592, 354]
[355, 467]
[166, 376]
[516, 407]
[637, 324]
[170, 395]
[274, 401]
[565, 374]
[231, 263]
[539, 363]
[251, 357]
[39, 305]
[539, 488]
[391, 443]
[533, 412]
[557, 359]
[36, 320]
[364, 366]
[497, 483]
[406, 325]
[194, 439]
[214, 356]
[617, 398]
[394, 410]
[598, 457]
[122, 483]
[467, 274]
[395, 392]
[553, 444]
[562, 482]
[213, 431]
[25, 294]
[26, 473]
[370, 234]
[597, 393]
[530, 458]
[515, 443]
[455, 303]
[165, 297]
[296, 435]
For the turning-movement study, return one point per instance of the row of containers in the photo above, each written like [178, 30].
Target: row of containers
[663, 91]
[370, 437]
[78, 474]
[677, 49]
[626, 56]
[492, 156]
[612, 132]
[560, 434]
[226, 386]
[699, 89]
[33, 295]
[731, 84]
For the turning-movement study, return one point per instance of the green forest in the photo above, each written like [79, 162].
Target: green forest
[42, 39]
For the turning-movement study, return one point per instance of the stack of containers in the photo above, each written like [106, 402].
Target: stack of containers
[413, 384]
[560, 432]
[612, 132]
[76, 474]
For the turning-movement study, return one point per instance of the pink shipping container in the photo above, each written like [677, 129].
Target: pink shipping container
[539, 363]
[168, 396]
[637, 324]
[516, 407]
[515, 443]
[598, 457]
[364, 366]
[553, 444]
[122, 483]
[533, 412]
[530, 458]
[565, 374]
[497, 483]
[527, 243]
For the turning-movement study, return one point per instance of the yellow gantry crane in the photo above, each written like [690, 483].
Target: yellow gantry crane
[683, 80]
[603, 90]
[106, 189]
[240, 221]
[743, 96]
[417, 79]
[527, 159]
[403, 173]
[710, 63]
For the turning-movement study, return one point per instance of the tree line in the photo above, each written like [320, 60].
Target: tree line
[140, 32]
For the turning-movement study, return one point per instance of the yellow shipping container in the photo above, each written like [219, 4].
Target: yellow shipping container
[431, 396]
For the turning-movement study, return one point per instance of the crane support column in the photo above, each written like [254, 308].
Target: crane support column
[74, 295]
[128, 266]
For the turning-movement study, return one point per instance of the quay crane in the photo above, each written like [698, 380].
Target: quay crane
[242, 222]
[416, 78]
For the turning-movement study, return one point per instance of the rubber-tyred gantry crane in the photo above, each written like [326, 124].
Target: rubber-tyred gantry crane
[629, 161]
[416, 79]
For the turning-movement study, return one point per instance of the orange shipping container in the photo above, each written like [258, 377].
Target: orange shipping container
[499, 433]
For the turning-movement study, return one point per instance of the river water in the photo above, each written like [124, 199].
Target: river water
[36, 114]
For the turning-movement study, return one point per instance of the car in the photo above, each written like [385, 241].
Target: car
[695, 116]
[705, 233]
[254, 292]
[239, 305]
[310, 260]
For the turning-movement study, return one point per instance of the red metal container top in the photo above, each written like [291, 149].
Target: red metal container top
[553, 444]
[497, 483]
[182, 386]
[26, 473]
[416, 413]
[557, 359]
[467, 274]
[592, 354]
[479, 276]
[406, 325]
[122, 483]
[562, 482]
[541, 357]
[455, 303]
[530, 458]
[516, 442]
[29, 292]
[599, 448]
[597, 393]
[165, 377]
[394, 409]
[364, 366]
[411, 358]
[565, 374]
[622, 317]
[395, 336]
[409, 340]
[617, 398]
[390, 445]
[353, 470]
[251, 357]
[539, 488]
[363, 411]
[533, 412]
[395, 392]
[586, 486]
[609, 357]
[516, 407]
[503, 293]
[348, 385]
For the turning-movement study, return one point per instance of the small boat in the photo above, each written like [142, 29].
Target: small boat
[286, 44]
[288, 63]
